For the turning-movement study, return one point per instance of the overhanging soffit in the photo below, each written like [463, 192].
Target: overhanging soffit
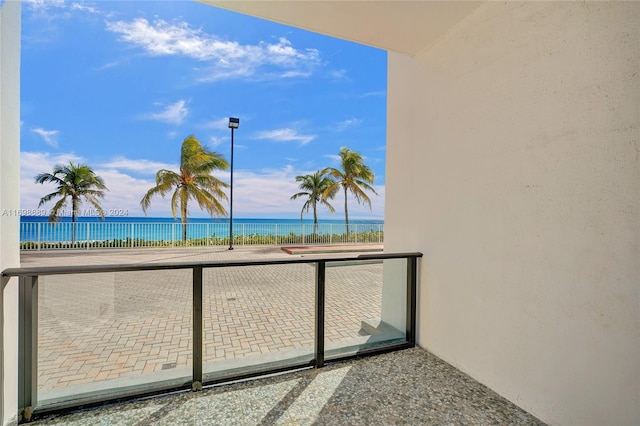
[408, 27]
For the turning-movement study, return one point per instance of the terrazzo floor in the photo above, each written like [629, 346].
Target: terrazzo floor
[410, 387]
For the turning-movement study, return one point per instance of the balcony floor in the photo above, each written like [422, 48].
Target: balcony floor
[406, 387]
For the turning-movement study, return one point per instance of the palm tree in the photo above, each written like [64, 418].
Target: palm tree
[75, 182]
[193, 181]
[354, 177]
[315, 188]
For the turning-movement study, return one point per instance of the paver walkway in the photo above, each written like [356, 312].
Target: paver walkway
[99, 327]
[337, 248]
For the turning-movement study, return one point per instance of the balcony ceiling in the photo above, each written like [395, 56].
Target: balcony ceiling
[408, 27]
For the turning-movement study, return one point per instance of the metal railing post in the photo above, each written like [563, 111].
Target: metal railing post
[27, 345]
[412, 279]
[39, 241]
[320, 301]
[197, 329]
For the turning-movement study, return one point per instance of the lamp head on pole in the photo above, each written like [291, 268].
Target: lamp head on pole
[234, 123]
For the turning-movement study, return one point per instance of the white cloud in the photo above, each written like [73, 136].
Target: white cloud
[43, 5]
[139, 166]
[124, 192]
[85, 8]
[293, 74]
[34, 163]
[215, 142]
[345, 124]
[334, 157]
[218, 123]
[361, 211]
[172, 114]
[274, 197]
[374, 94]
[162, 38]
[49, 136]
[226, 59]
[285, 135]
[39, 162]
[60, 9]
[107, 65]
[338, 74]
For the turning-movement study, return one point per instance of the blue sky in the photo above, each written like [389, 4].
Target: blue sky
[118, 85]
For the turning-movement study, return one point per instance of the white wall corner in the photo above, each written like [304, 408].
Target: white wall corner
[9, 200]
[512, 164]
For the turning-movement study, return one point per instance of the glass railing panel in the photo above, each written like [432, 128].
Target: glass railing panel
[107, 334]
[257, 318]
[111, 335]
[365, 305]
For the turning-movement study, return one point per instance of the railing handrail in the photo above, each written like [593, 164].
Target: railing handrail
[28, 326]
[129, 267]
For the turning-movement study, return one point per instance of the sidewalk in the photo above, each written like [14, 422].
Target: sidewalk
[145, 255]
[337, 248]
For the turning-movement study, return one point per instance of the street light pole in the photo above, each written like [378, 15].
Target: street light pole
[234, 123]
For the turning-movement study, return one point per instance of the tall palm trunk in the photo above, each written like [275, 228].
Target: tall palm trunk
[183, 214]
[184, 228]
[315, 219]
[74, 208]
[346, 211]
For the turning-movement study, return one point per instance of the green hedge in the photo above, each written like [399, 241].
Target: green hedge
[238, 240]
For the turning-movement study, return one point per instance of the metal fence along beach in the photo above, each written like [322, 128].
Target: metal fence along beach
[64, 235]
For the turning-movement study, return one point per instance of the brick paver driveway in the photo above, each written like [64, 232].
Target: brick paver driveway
[99, 327]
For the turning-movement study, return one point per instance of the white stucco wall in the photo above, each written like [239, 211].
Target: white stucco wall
[9, 198]
[513, 165]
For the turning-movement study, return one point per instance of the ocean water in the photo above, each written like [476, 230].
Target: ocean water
[91, 228]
